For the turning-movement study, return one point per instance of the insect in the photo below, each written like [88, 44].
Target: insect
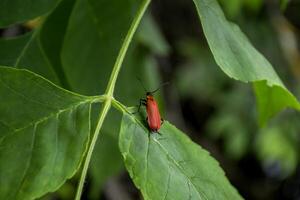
[154, 119]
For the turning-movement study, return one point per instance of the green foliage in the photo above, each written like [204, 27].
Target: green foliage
[273, 148]
[106, 160]
[12, 48]
[94, 38]
[80, 46]
[169, 165]
[21, 10]
[44, 134]
[241, 61]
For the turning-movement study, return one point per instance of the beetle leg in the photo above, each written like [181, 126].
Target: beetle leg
[142, 102]
[148, 125]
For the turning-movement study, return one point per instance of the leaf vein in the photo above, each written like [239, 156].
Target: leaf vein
[182, 171]
[23, 179]
[168, 183]
[22, 95]
[146, 162]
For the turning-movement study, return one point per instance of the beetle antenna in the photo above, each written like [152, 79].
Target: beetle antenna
[141, 84]
[163, 84]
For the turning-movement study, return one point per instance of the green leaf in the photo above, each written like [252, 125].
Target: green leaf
[102, 25]
[169, 165]
[10, 49]
[44, 132]
[33, 57]
[232, 7]
[39, 51]
[52, 35]
[15, 11]
[27, 52]
[241, 61]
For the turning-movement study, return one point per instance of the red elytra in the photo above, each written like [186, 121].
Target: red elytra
[153, 115]
[154, 119]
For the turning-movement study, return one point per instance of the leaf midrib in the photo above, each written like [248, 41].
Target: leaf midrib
[28, 163]
[35, 35]
[173, 159]
[53, 114]
[179, 167]
[22, 53]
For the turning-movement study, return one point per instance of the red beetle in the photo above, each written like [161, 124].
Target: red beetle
[153, 116]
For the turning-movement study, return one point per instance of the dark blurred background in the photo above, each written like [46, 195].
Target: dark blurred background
[217, 112]
[220, 113]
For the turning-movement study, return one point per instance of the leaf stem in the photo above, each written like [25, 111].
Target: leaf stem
[119, 106]
[102, 116]
[113, 78]
[109, 93]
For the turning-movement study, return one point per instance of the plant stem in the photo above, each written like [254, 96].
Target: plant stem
[113, 78]
[109, 93]
[119, 106]
[103, 113]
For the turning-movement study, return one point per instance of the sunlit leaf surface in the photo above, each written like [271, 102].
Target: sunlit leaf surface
[44, 131]
[169, 165]
[241, 61]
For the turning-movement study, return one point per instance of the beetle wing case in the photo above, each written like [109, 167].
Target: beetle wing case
[154, 119]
